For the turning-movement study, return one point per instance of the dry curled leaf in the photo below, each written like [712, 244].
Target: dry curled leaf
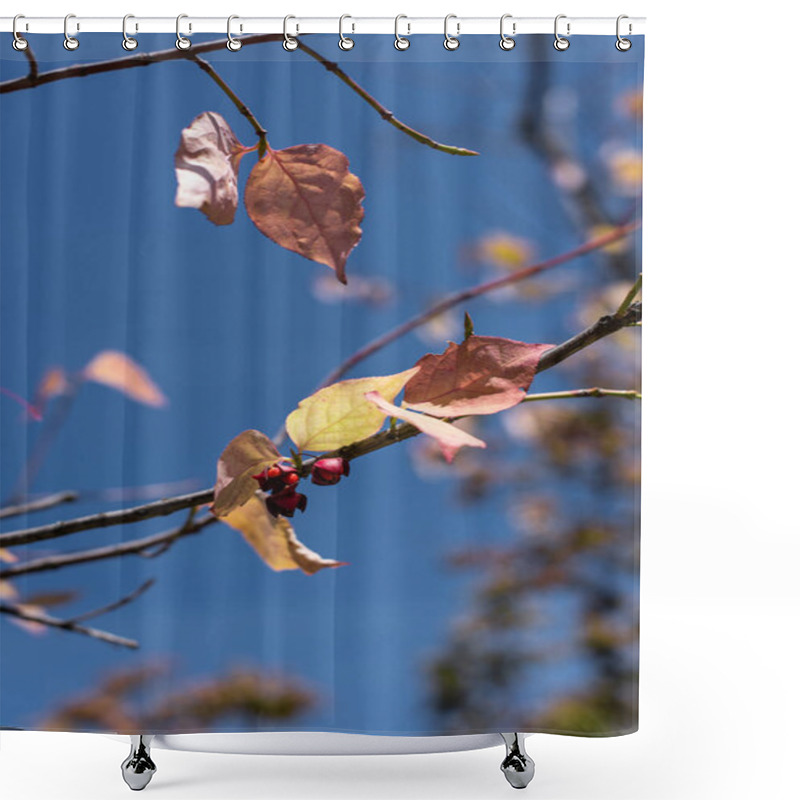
[482, 375]
[115, 369]
[244, 456]
[274, 539]
[339, 415]
[306, 199]
[449, 437]
[207, 168]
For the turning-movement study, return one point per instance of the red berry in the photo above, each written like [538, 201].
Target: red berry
[292, 478]
[273, 472]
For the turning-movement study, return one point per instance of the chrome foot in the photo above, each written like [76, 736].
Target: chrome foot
[517, 766]
[138, 768]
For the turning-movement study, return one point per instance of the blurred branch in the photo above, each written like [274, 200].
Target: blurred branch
[41, 504]
[129, 598]
[385, 114]
[605, 326]
[476, 291]
[67, 625]
[162, 541]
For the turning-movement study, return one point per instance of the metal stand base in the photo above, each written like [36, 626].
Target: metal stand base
[138, 768]
[517, 766]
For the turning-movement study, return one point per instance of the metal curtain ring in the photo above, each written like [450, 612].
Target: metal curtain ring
[182, 43]
[507, 42]
[232, 44]
[451, 42]
[623, 44]
[289, 42]
[70, 42]
[345, 43]
[560, 42]
[128, 42]
[400, 42]
[19, 43]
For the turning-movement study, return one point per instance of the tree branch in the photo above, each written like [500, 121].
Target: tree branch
[35, 78]
[605, 326]
[41, 504]
[67, 625]
[162, 541]
[382, 110]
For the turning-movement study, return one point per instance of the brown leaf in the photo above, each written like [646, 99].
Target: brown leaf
[449, 438]
[306, 199]
[120, 372]
[482, 375]
[207, 168]
[245, 456]
[274, 539]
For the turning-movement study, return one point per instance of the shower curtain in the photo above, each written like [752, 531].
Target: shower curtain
[320, 386]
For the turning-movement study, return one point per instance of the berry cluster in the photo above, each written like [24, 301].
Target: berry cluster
[279, 482]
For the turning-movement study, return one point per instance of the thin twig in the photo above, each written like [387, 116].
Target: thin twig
[53, 622]
[384, 112]
[468, 294]
[605, 326]
[129, 598]
[237, 101]
[41, 504]
[134, 547]
[630, 394]
[631, 296]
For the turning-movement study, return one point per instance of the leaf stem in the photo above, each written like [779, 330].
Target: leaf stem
[236, 100]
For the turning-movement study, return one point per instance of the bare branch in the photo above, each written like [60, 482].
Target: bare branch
[629, 394]
[53, 622]
[41, 504]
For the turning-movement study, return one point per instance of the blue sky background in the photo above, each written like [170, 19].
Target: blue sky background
[95, 255]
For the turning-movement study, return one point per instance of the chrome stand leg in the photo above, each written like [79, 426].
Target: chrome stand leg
[517, 766]
[138, 768]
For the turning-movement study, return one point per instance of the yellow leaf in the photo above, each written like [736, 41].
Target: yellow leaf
[339, 414]
[120, 372]
[274, 539]
[7, 590]
[244, 456]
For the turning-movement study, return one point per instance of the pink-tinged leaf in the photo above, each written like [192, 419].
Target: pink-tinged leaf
[120, 372]
[306, 199]
[244, 456]
[29, 625]
[207, 168]
[482, 375]
[274, 539]
[449, 437]
[8, 591]
[8, 556]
